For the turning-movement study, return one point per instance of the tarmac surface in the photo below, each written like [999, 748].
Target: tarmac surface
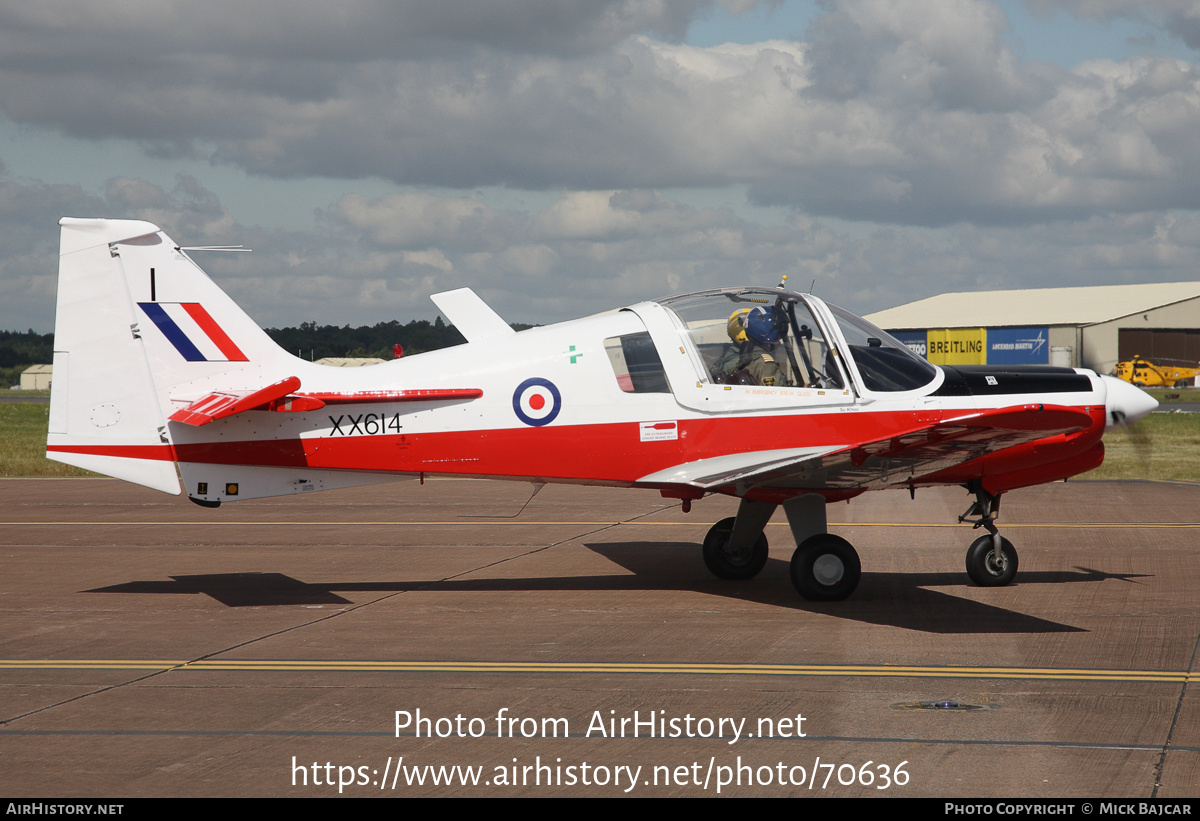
[149, 647]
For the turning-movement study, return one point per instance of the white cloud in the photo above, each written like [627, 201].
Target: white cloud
[417, 219]
[909, 112]
[909, 149]
[348, 272]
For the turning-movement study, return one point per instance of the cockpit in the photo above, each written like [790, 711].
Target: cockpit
[776, 338]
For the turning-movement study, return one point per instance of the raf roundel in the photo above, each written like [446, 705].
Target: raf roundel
[537, 402]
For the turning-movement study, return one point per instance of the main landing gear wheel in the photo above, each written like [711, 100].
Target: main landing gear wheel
[984, 569]
[725, 563]
[825, 568]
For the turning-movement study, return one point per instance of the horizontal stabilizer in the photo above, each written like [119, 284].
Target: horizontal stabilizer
[220, 405]
[282, 398]
[371, 397]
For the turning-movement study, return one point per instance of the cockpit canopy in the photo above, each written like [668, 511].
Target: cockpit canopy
[773, 337]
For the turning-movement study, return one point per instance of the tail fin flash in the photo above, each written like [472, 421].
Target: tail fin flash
[135, 318]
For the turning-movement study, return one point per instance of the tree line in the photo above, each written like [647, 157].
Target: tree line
[19, 350]
[313, 341]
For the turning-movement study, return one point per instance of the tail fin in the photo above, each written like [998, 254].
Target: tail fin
[136, 318]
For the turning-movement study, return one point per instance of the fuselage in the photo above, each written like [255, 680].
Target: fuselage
[568, 403]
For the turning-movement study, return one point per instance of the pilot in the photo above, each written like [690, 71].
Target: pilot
[727, 362]
[750, 357]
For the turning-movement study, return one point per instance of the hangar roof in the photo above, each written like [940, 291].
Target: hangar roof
[1041, 306]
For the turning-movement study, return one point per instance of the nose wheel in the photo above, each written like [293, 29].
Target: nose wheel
[991, 559]
[987, 569]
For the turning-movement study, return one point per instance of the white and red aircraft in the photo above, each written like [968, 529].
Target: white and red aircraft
[158, 376]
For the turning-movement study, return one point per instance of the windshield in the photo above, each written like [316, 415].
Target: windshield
[884, 363]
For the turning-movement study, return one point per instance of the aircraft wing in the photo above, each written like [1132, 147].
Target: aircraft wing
[724, 470]
[895, 461]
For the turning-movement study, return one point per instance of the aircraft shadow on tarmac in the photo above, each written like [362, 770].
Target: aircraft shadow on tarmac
[894, 599]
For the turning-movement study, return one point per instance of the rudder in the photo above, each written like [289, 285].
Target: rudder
[135, 318]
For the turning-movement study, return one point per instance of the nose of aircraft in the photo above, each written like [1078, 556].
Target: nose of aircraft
[1126, 404]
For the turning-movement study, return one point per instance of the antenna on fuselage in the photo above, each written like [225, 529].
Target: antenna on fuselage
[235, 248]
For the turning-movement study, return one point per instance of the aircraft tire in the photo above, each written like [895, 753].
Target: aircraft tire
[825, 568]
[981, 565]
[723, 563]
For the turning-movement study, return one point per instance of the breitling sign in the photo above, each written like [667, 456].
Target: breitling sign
[957, 346]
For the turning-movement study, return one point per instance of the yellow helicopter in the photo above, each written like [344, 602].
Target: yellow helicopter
[1146, 374]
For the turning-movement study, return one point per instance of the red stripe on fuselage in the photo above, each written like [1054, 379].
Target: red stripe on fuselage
[158, 453]
[608, 453]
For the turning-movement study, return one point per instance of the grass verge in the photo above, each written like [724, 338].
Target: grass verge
[1161, 446]
[1168, 396]
[23, 434]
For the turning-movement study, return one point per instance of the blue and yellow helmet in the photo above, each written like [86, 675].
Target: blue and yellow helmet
[765, 325]
[737, 325]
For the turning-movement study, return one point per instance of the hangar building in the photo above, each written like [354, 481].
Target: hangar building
[1093, 327]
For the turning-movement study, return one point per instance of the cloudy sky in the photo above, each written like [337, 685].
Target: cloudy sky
[562, 157]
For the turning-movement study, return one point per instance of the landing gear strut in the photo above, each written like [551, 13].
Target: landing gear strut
[991, 559]
[824, 567]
